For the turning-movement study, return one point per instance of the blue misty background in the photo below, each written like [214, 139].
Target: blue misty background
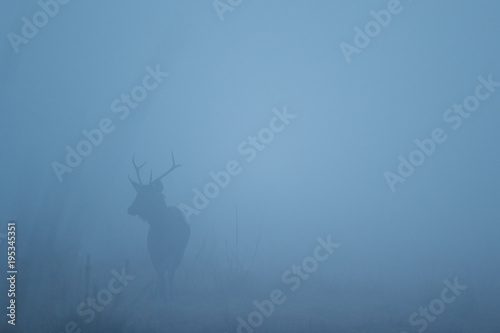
[323, 175]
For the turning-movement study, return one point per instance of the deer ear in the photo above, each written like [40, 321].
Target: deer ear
[136, 185]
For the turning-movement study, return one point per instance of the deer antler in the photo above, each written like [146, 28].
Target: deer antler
[137, 168]
[168, 171]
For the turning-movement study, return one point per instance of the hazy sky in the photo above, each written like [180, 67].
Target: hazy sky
[323, 174]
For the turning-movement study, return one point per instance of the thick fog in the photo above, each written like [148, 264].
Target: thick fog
[334, 166]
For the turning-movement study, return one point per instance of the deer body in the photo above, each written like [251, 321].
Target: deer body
[168, 228]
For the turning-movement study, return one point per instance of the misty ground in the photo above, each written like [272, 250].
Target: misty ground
[323, 306]
[214, 287]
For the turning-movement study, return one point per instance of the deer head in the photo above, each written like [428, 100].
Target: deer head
[149, 201]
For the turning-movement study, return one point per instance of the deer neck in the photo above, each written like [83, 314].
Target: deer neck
[156, 216]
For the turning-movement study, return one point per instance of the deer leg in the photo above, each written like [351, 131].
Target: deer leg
[171, 283]
[161, 285]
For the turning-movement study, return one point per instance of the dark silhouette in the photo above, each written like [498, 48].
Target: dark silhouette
[168, 228]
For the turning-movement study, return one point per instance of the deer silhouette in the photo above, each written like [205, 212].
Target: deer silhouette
[168, 228]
